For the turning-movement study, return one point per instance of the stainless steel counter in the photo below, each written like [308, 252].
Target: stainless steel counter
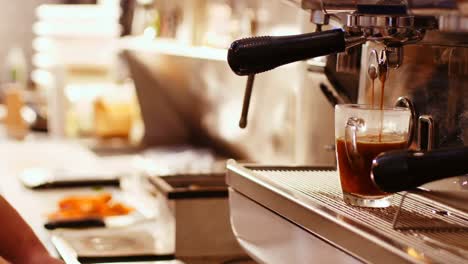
[267, 201]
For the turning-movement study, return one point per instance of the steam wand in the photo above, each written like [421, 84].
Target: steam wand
[246, 104]
[254, 55]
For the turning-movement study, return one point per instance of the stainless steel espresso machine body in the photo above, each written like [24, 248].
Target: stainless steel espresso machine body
[424, 45]
[410, 48]
[420, 48]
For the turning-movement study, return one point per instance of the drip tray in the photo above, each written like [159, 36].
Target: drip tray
[425, 230]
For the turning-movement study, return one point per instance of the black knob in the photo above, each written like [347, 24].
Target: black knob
[259, 54]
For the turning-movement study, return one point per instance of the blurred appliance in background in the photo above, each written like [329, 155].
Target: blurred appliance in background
[74, 45]
[16, 126]
[116, 115]
[16, 68]
[145, 19]
[188, 94]
[126, 19]
[200, 210]
[196, 22]
[13, 94]
[157, 18]
[79, 38]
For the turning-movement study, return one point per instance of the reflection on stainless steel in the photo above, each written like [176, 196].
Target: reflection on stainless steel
[392, 30]
[104, 244]
[319, 18]
[373, 67]
[348, 62]
[394, 57]
[330, 6]
[354, 41]
[383, 21]
[451, 23]
[455, 250]
[437, 7]
[400, 220]
[426, 126]
[383, 66]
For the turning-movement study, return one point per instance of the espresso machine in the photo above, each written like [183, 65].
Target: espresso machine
[291, 214]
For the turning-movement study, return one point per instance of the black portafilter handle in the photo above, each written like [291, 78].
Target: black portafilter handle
[396, 171]
[259, 54]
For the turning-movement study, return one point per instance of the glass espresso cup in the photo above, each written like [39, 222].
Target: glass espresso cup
[363, 132]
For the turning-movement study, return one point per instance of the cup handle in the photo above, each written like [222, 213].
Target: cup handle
[406, 102]
[353, 125]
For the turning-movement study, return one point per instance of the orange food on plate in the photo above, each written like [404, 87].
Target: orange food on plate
[76, 207]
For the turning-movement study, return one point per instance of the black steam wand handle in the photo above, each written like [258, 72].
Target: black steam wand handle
[259, 54]
[396, 171]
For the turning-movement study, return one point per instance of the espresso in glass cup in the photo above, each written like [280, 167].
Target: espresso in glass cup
[362, 132]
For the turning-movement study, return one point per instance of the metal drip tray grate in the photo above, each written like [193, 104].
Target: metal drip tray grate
[428, 231]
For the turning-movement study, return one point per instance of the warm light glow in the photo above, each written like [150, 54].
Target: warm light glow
[82, 12]
[415, 254]
[174, 48]
[149, 33]
[42, 78]
[43, 61]
[77, 29]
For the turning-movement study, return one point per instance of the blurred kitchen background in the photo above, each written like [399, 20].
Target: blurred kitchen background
[130, 74]
[127, 112]
[122, 94]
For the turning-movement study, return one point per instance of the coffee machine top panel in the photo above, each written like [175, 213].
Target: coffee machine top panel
[422, 7]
